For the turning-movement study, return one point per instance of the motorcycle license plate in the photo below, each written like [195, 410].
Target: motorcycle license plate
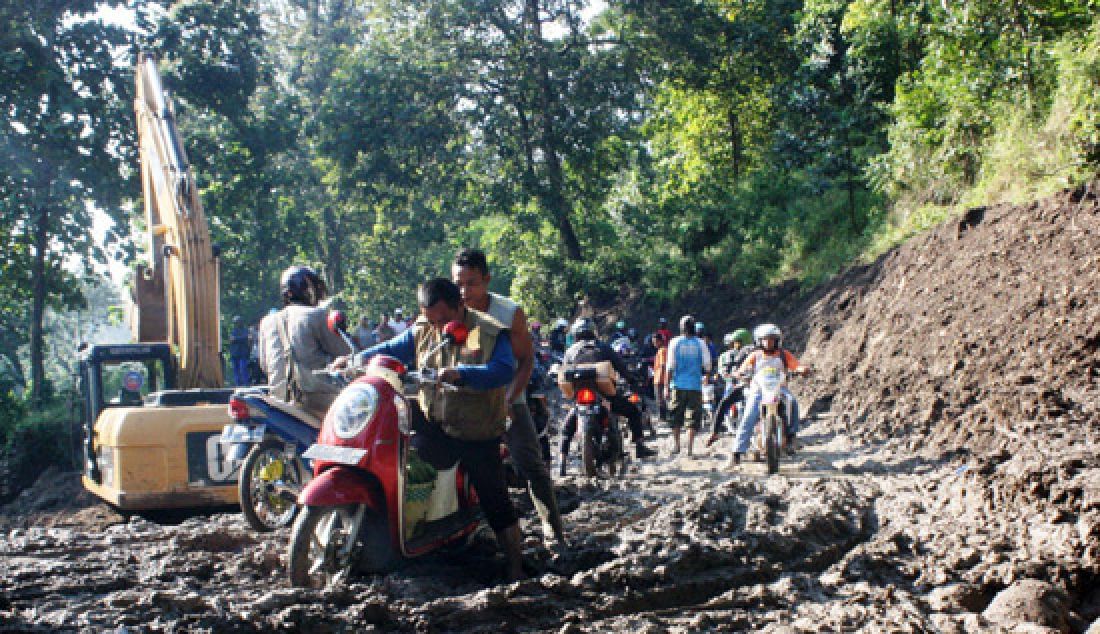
[234, 434]
[328, 453]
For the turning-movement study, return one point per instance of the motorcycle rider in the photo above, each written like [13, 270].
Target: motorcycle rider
[738, 346]
[470, 271]
[296, 340]
[589, 349]
[557, 336]
[769, 353]
[704, 336]
[618, 333]
[689, 361]
[476, 414]
[662, 327]
[536, 333]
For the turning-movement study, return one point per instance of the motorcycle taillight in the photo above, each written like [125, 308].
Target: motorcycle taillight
[586, 396]
[634, 398]
[238, 409]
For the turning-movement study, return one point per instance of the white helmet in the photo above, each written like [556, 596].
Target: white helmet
[766, 330]
[727, 339]
[561, 323]
[622, 347]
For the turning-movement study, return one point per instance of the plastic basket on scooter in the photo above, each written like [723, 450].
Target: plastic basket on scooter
[417, 497]
[419, 484]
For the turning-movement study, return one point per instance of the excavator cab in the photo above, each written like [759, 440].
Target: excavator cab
[146, 444]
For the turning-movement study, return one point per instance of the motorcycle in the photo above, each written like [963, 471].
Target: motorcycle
[269, 437]
[774, 423]
[601, 433]
[372, 502]
[537, 402]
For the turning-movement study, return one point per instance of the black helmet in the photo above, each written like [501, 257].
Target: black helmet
[302, 285]
[687, 325]
[583, 328]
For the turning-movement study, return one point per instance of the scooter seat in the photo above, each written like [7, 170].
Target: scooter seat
[293, 410]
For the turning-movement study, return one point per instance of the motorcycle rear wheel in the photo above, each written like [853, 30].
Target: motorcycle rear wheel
[322, 547]
[589, 449]
[621, 457]
[263, 508]
[771, 443]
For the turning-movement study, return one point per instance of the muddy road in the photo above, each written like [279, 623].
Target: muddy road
[848, 536]
[949, 482]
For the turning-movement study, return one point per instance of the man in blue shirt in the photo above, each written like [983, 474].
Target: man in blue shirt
[240, 345]
[688, 361]
[484, 366]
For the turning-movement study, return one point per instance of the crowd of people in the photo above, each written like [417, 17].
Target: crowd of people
[496, 371]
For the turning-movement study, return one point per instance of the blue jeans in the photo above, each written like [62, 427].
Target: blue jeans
[752, 414]
[240, 372]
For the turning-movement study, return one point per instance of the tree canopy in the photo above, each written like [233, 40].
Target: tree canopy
[596, 151]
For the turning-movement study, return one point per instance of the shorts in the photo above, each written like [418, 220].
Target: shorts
[686, 407]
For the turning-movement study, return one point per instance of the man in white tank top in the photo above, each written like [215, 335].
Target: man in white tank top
[470, 271]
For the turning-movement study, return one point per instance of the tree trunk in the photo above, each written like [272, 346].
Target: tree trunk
[735, 141]
[334, 256]
[38, 303]
[552, 193]
[849, 168]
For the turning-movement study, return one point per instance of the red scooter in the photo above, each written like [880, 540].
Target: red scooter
[372, 501]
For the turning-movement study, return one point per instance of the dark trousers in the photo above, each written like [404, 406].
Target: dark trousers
[619, 405]
[724, 407]
[480, 459]
[240, 372]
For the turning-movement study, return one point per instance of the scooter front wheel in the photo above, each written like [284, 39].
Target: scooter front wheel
[322, 546]
[268, 479]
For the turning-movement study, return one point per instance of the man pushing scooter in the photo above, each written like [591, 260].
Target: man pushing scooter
[464, 424]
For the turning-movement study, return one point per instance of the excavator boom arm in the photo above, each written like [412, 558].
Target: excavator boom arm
[176, 295]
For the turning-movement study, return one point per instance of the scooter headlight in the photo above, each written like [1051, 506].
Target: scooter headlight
[353, 409]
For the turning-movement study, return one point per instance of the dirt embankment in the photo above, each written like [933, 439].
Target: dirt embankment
[949, 482]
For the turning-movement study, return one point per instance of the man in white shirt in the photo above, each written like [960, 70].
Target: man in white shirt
[398, 322]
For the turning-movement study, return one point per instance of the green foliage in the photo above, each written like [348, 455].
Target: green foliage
[596, 151]
[960, 139]
[65, 141]
[35, 439]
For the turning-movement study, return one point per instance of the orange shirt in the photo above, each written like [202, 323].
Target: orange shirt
[748, 366]
[659, 362]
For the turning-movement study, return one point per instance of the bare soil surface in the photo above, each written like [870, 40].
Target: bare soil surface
[949, 481]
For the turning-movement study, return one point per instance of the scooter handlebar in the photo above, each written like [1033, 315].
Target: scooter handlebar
[428, 376]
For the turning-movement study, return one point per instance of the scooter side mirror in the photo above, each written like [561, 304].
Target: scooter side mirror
[455, 333]
[337, 321]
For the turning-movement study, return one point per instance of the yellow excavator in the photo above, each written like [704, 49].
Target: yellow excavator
[154, 410]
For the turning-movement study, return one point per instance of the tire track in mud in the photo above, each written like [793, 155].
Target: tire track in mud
[847, 538]
[678, 552]
[641, 550]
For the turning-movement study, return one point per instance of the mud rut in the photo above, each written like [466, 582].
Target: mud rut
[845, 537]
[950, 483]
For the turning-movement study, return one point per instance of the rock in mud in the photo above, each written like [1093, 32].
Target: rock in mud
[1030, 601]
